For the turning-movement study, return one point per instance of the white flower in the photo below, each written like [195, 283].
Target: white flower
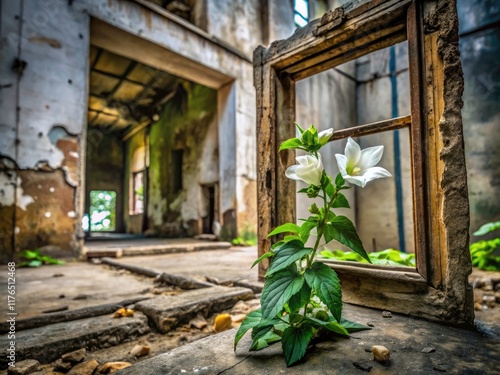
[324, 136]
[309, 169]
[358, 166]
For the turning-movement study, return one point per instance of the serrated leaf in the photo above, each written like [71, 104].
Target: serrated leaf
[287, 254]
[325, 283]
[341, 201]
[300, 299]
[352, 326]
[288, 227]
[345, 232]
[291, 143]
[330, 325]
[252, 320]
[278, 290]
[295, 341]
[262, 257]
[264, 338]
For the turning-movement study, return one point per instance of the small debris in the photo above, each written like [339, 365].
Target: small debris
[75, 357]
[386, 314]
[213, 280]
[112, 367]
[61, 366]
[429, 349]
[238, 318]
[368, 349]
[58, 275]
[489, 300]
[56, 309]
[62, 296]
[24, 367]
[370, 324]
[140, 350]
[363, 365]
[80, 296]
[222, 322]
[84, 368]
[120, 313]
[380, 353]
[488, 285]
[198, 322]
[240, 308]
[478, 306]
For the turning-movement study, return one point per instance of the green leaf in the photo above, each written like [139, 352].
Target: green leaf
[303, 190]
[299, 127]
[291, 143]
[486, 228]
[252, 320]
[263, 339]
[330, 325]
[339, 180]
[325, 283]
[30, 254]
[345, 233]
[288, 227]
[300, 299]
[278, 290]
[295, 341]
[306, 227]
[341, 201]
[330, 190]
[262, 257]
[287, 254]
[352, 326]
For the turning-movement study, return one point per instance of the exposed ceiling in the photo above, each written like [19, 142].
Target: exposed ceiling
[124, 93]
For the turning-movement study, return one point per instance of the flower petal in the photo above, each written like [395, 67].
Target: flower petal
[352, 152]
[325, 135]
[355, 180]
[376, 172]
[291, 172]
[303, 160]
[370, 157]
[342, 163]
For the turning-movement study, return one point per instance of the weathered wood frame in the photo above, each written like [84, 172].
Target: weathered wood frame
[438, 288]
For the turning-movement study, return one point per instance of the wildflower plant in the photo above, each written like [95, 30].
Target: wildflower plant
[302, 299]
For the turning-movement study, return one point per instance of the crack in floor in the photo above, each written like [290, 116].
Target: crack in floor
[236, 364]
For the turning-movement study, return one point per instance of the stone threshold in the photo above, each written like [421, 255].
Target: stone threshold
[417, 347]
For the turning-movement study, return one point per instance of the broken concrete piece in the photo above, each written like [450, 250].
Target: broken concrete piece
[75, 357]
[198, 322]
[140, 350]
[222, 322]
[24, 367]
[238, 318]
[380, 353]
[112, 367]
[429, 349]
[167, 312]
[241, 307]
[62, 366]
[84, 368]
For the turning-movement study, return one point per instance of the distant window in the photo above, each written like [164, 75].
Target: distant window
[102, 211]
[138, 193]
[300, 12]
[177, 156]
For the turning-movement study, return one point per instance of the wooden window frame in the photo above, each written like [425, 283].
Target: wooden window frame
[437, 288]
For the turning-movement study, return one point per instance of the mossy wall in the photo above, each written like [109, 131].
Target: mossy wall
[187, 122]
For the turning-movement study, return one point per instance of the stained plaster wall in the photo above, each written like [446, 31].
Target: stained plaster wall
[41, 125]
[188, 122]
[104, 169]
[481, 111]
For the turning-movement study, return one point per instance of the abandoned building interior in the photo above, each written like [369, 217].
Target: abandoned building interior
[150, 127]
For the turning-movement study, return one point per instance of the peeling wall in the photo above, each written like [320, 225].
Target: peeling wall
[43, 104]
